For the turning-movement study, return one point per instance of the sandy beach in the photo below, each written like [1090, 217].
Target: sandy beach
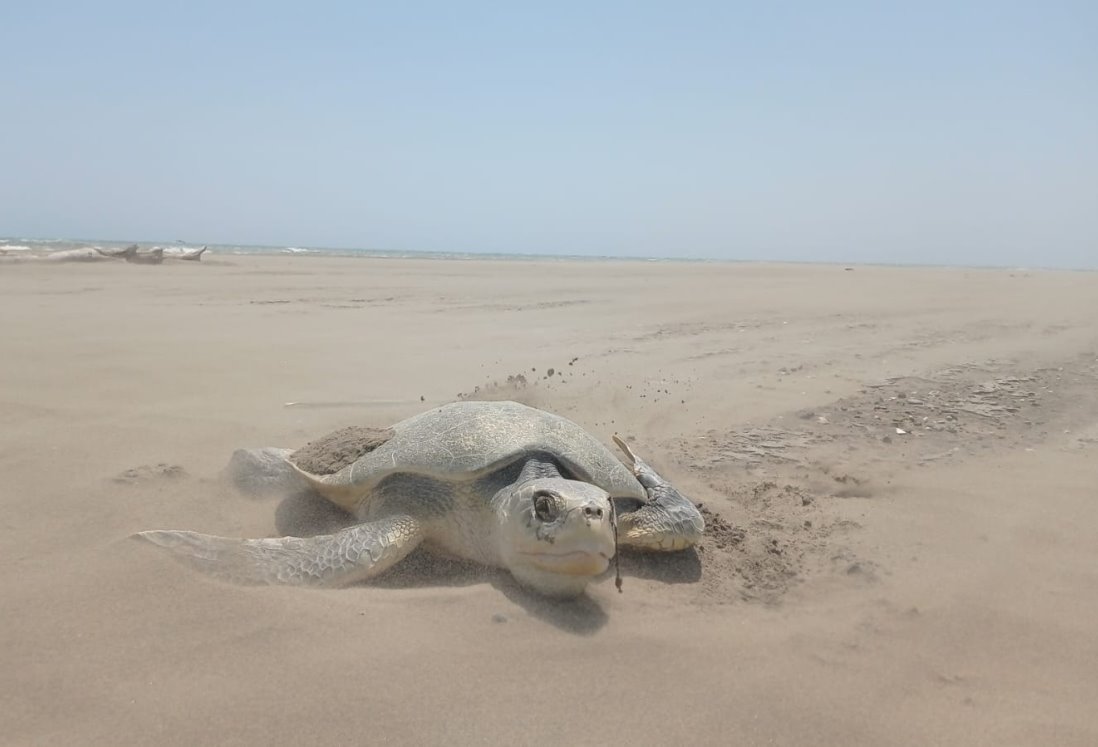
[899, 469]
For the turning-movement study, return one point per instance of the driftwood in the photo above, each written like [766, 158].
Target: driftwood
[155, 256]
[151, 257]
[126, 253]
[190, 255]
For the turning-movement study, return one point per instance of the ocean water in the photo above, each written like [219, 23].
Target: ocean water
[31, 247]
[14, 248]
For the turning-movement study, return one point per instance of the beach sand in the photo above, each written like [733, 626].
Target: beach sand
[899, 467]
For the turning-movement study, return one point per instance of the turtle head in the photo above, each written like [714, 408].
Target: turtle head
[556, 535]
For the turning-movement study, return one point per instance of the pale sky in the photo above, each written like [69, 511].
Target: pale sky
[936, 132]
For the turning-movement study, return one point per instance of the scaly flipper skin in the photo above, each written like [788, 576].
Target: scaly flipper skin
[668, 522]
[353, 554]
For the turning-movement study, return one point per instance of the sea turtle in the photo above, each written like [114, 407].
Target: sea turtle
[496, 483]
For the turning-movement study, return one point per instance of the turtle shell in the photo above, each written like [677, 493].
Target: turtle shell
[466, 440]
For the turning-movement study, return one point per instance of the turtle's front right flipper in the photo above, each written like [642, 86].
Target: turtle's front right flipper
[668, 521]
[353, 554]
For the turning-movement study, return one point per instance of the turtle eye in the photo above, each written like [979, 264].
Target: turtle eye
[543, 507]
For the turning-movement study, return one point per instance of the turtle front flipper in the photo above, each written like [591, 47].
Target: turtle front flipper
[668, 521]
[353, 554]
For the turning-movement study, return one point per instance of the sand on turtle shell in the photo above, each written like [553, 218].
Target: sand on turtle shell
[333, 452]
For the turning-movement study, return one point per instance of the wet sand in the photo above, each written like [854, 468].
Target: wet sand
[899, 469]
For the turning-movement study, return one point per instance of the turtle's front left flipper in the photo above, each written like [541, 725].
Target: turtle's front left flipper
[668, 521]
[353, 554]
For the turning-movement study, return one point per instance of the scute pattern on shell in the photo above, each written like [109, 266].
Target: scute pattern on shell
[465, 440]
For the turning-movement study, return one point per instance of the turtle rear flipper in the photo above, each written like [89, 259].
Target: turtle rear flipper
[353, 554]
